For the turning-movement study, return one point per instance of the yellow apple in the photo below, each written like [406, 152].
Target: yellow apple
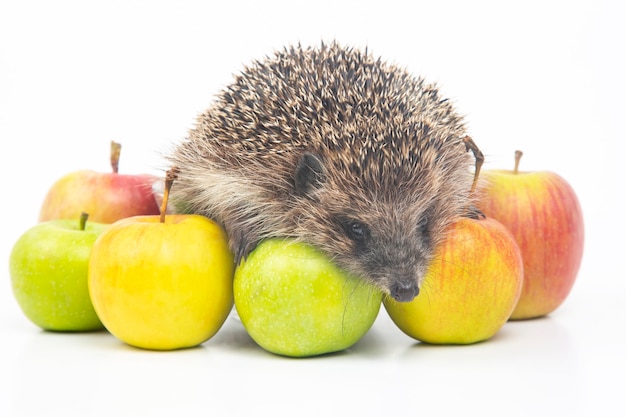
[470, 288]
[162, 285]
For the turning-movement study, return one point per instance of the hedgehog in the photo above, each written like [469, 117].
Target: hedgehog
[330, 146]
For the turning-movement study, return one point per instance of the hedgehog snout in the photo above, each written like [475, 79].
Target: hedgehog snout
[403, 291]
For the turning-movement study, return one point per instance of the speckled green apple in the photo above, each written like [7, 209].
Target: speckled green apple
[48, 268]
[294, 301]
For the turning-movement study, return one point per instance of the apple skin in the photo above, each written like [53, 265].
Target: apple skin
[107, 197]
[293, 301]
[544, 215]
[48, 267]
[162, 286]
[470, 288]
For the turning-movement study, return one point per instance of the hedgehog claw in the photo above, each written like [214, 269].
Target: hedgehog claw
[243, 251]
[474, 213]
[241, 246]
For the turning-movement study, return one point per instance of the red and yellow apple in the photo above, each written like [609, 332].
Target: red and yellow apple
[293, 301]
[107, 197]
[470, 288]
[48, 268]
[543, 213]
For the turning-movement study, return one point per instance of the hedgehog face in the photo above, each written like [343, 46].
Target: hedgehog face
[387, 245]
[388, 240]
[387, 252]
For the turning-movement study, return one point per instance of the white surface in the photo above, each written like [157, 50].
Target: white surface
[546, 77]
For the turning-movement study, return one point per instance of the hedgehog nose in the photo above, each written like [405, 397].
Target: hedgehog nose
[404, 291]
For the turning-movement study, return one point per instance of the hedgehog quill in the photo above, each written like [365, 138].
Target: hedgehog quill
[334, 147]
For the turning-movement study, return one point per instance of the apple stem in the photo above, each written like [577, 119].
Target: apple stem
[470, 145]
[170, 177]
[82, 223]
[518, 156]
[116, 149]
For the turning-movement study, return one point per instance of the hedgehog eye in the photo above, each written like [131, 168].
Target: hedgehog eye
[422, 225]
[357, 231]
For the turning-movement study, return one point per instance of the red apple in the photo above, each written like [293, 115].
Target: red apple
[470, 289]
[544, 215]
[107, 197]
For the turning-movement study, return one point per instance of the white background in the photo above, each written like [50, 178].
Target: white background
[543, 76]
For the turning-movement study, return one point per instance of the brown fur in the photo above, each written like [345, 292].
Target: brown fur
[321, 144]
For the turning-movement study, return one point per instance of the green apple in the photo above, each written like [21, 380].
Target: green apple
[106, 196]
[162, 285]
[293, 301]
[48, 267]
[470, 288]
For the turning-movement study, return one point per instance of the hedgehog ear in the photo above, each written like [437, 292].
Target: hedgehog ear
[309, 173]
